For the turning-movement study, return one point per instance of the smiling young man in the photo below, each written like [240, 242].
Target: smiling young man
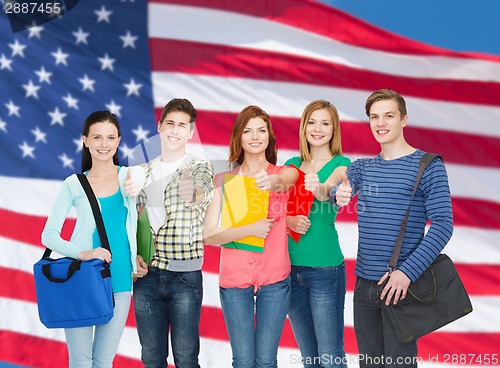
[179, 187]
[384, 186]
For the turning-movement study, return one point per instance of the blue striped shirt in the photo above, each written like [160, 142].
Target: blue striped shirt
[384, 189]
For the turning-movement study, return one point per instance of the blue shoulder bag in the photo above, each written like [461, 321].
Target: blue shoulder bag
[73, 293]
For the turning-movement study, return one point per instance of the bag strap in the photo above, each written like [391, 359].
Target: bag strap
[426, 159]
[95, 210]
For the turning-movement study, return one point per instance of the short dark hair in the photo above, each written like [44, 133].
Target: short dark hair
[182, 105]
[386, 94]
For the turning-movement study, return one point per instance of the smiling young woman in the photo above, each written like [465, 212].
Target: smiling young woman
[251, 281]
[101, 137]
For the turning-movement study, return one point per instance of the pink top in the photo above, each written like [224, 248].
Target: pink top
[242, 268]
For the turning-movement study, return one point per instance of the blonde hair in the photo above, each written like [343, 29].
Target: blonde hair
[335, 141]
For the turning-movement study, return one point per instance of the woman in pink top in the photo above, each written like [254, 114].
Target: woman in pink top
[245, 274]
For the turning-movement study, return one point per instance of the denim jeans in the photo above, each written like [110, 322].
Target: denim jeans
[96, 346]
[254, 343]
[377, 343]
[317, 314]
[165, 299]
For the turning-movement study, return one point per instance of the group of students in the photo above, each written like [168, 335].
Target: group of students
[305, 280]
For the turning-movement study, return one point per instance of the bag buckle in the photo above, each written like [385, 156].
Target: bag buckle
[390, 269]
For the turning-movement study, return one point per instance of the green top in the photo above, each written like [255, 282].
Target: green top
[319, 246]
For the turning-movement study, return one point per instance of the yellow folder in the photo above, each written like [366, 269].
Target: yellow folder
[243, 203]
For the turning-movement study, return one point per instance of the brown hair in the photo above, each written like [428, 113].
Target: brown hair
[386, 94]
[182, 105]
[236, 153]
[335, 141]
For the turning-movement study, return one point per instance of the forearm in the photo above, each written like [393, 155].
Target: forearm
[429, 248]
[51, 238]
[284, 181]
[198, 195]
[219, 235]
[204, 188]
[323, 192]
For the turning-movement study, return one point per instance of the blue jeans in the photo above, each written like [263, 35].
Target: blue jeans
[377, 343]
[96, 346]
[254, 342]
[166, 299]
[317, 314]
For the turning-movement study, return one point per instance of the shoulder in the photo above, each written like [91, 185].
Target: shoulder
[437, 160]
[436, 168]
[137, 173]
[340, 160]
[71, 186]
[199, 162]
[72, 181]
[150, 164]
[274, 169]
[219, 178]
[413, 162]
[362, 162]
[294, 160]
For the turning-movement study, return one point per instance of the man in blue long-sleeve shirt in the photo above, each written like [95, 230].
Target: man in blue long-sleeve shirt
[384, 186]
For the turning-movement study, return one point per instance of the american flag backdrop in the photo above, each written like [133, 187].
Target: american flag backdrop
[131, 57]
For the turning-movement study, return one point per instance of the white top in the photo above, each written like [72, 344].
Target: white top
[161, 175]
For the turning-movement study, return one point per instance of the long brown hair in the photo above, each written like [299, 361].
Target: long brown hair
[236, 153]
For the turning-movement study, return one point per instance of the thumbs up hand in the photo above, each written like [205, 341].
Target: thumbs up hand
[186, 187]
[262, 179]
[344, 192]
[311, 179]
[132, 189]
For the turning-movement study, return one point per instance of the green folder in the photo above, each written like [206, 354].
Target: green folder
[145, 246]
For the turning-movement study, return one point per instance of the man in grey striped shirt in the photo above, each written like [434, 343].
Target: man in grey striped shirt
[384, 186]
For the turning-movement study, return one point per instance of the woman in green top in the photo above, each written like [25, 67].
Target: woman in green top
[318, 271]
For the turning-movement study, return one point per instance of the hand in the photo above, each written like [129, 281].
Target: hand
[131, 188]
[96, 253]
[186, 187]
[396, 286]
[262, 179]
[142, 268]
[300, 224]
[261, 228]
[344, 192]
[311, 179]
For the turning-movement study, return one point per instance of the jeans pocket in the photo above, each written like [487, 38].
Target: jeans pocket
[357, 283]
[285, 282]
[193, 279]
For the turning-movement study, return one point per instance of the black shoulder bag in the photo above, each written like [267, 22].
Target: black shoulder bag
[436, 298]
